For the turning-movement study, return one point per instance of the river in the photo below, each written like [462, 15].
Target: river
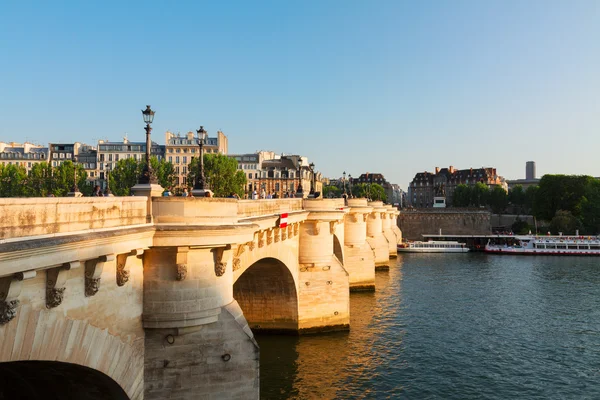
[453, 326]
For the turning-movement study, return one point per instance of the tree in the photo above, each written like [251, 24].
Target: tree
[377, 192]
[221, 174]
[516, 196]
[40, 180]
[461, 196]
[62, 179]
[530, 195]
[565, 222]
[164, 170]
[560, 192]
[498, 199]
[331, 192]
[479, 194]
[589, 207]
[520, 227]
[125, 176]
[13, 180]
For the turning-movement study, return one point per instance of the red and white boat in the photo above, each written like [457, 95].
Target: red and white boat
[548, 245]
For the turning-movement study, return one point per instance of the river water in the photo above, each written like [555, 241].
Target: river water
[453, 326]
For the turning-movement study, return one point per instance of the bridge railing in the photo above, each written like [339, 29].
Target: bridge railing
[255, 208]
[23, 217]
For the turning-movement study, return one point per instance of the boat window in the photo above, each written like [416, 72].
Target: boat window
[572, 247]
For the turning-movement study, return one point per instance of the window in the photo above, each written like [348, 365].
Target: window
[110, 157]
[184, 180]
[116, 157]
[185, 170]
[250, 176]
[185, 160]
[170, 159]
[177, 160]
[68, 155]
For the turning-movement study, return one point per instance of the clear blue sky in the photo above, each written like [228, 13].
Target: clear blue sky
[395, 87]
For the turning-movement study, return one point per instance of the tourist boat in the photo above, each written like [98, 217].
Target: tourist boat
[433, 247]
[548, 245]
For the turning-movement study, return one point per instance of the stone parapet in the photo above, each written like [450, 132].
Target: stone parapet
[252, 208]
[26, 217]
[194, 211]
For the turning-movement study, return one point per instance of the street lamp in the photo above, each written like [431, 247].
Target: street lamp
[344, 181]
[299, 192]
[311, 167]
[148, 176]
[199, 185]
[350, 184]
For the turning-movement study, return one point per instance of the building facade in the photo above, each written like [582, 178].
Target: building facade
[22, 154]
[180, 150]
[109, 153]
[530, 177]
[426, 185]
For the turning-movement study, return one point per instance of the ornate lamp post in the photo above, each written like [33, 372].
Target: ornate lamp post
[74, 190]
[200, 181]
[300, 190]
[148, 176]
[311, 167]
[344, 181]
[350, 185]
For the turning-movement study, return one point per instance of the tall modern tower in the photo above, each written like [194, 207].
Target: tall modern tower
[530, 170]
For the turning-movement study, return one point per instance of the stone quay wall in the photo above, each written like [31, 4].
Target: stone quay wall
[415, 223]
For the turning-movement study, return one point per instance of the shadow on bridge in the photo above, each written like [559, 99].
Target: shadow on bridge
[267, 294]
[52, 380]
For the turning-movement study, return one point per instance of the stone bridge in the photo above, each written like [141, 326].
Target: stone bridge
[136, 297]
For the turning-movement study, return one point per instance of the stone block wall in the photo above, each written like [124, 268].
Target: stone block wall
[414, 224]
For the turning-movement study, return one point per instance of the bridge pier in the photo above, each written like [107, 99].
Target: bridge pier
[390, 235]
[375, 236]
[360, 258]
[323, 286]
[197, 341]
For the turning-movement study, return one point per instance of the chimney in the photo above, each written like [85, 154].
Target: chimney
[437, 170]
[451, 169]
[190, 135]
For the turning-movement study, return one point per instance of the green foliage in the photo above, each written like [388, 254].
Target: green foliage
[589, 208]
[221, 174]
[479, 194]
[565, 222]
[498, 199]
[124, 176]
[530, 195]
[516, 196]
[332, 192]
[461, 196]
[560, 192]
[13, 181]
[371, 191]
[165, 172]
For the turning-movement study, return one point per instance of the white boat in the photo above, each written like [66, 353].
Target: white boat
[549, 245]
[433, 247]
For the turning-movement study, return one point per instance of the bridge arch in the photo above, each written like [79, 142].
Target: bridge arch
[72, 347]
[43, 380]
[266, 292]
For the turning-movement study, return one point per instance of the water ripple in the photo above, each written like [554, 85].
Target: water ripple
[453, 327]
